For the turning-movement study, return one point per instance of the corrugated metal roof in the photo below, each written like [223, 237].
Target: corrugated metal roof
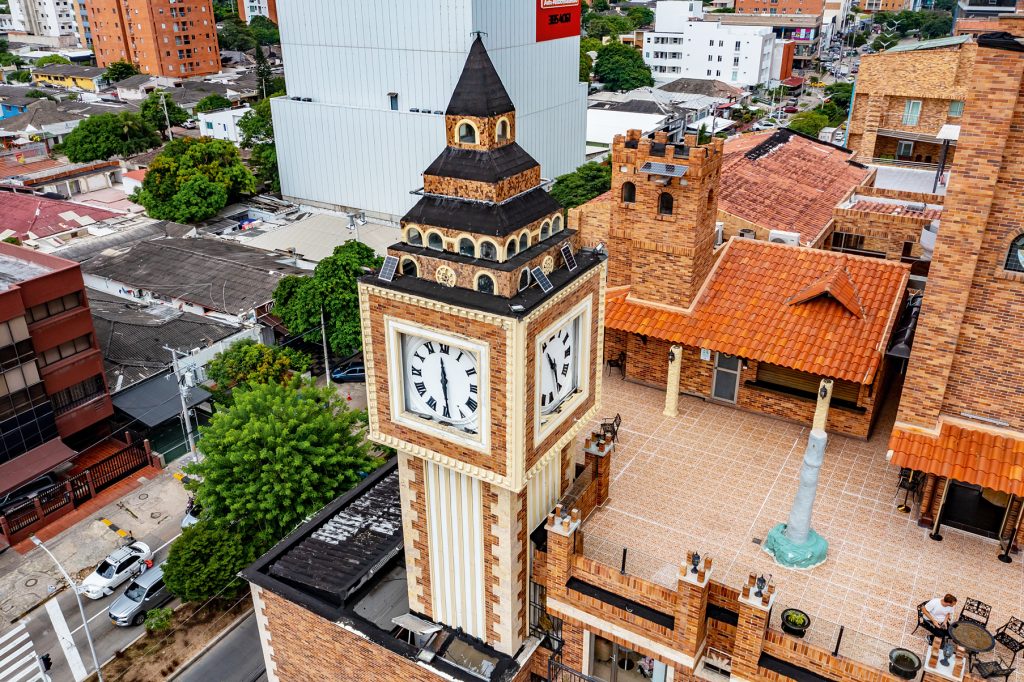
[930, 44]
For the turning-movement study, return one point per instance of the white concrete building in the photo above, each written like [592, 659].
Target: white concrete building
[368, 82]
[683, 45]
[222, 124]
[51, 20]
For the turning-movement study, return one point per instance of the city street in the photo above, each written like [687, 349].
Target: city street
[236, 658]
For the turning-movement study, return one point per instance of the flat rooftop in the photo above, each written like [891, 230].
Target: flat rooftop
[15, 270]
[715, 479]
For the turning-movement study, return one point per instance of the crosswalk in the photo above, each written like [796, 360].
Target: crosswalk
[18, 659]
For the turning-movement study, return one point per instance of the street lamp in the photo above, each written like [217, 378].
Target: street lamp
[85, 621]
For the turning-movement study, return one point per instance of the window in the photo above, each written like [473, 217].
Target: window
[853, 243]
[66, 350]
[709, 72]
[511, 249]
[956, 108]
[484, 284]
[911, 112]
[556, 224]
[1015, 257]
[545, 230]
[467, 247]
[393, 101]
[488, 251]
[74, 395]
[735, 75]
[719, 57]
[409, 268]
[628, 192]
[524, 242]
[413, 237]
[665, 204]
[467, 133]
[435, 242]
[904, 148]
[502, 130]
[54, 307]
[18, 378]
[711, 43]
[524, 279]
[711, 57]
[209, 125]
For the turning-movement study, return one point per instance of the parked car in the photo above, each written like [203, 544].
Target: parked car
[121, 565]
[190, 124]
[352, 372]
[19, 496]
[144, 593]
[791, 109]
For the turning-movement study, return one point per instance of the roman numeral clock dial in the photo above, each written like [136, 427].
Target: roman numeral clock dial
[559, 366]
[442, 383]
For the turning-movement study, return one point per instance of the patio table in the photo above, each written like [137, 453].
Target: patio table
[974, 638]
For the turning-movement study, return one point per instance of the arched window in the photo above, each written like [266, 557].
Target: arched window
[524, 241]
[435, 242]
[545, 230]
[628, 192]
[556, 224]
[711, 197]
[1015, 258]
[502, 130]
[524, 279]
[409, 268]
[467, 247]
[511, 249]
[488, 251]
[467, 133]
[484, 284]
[665, 204]
[413, 237]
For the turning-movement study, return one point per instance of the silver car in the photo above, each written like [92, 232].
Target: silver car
[146, 592]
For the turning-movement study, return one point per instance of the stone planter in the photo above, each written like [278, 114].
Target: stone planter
[904, 663]
[795, 622]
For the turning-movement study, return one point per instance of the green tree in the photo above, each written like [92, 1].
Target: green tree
[332, 286]
[590, 44]
[19, 76]
[885, 41]
[586, 64]
[159, 619]
[621, 67]
[943, 5]
[37, 94]
[937, 26]
[600, 6]
[264, 75]
[264, 30]
[8, 59]
[205, 560]
[236, 35]
[257, 128]
[152, 111]
[212, 103]
[860, 39]
[604, 25]
[52, 59]
[833, 113]
[224, 9]
[808, 122]
[582, 185]
[193, 179]
[640, 16]
[277, 455]
[247, 362]
[104, 136]
[840, 94]
[119, 70]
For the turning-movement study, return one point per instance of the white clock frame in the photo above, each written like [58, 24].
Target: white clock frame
[395, 329]
[584, 310]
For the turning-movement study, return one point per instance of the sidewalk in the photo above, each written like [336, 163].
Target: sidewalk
[149, 504]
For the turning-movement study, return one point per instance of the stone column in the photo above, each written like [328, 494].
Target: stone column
[750, 630]
[561, 530]
[692, 606]
[675, 362]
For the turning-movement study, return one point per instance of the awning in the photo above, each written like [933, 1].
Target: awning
[711, 125]
[33, 464]
[156, 399]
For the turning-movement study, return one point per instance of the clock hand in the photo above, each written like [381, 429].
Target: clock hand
[554, 372]
[444, 383]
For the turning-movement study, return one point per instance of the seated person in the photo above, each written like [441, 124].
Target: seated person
[938, 614]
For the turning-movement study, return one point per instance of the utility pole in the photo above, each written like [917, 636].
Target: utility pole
[167, 118]
[183, 391]
[323, 336]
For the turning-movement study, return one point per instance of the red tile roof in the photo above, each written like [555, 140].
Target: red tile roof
[896, 209]
[747, 308]
[10, 167]
[980, 456]
[139, 174]
[783, 181]
[54, 216]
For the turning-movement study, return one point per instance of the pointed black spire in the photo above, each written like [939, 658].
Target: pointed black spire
[479, 91]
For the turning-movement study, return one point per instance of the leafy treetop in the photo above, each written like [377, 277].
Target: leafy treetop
[119, 70]
[212, 103]
[583, 184]
[621, 67]
[52, 59]
[152, 111]
[257, 128]
[247, 362]
[205, 561]
[808, 122]
[264, 30]
[104, 136]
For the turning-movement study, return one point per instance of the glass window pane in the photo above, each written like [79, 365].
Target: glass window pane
[725, 386]
[30, 373]
[6, 339]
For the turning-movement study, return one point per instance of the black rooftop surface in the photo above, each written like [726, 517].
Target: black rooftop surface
[478, 217]
[479, 91]
[528, 298]
[514, 263]
[481, 166]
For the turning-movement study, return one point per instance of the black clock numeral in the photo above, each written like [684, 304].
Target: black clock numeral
[543, 347]
[551, 397]
[432, 404]
[543, 399]
[429, 345]
[472, 388]
[459, 357]
[417, 371]
[565, 369]
[568, 351]
[471, 371]
[446, 413]
[446, 349]
[417, 355]
[566, 339]
[462, 415]
[421, 387]
[471, 404]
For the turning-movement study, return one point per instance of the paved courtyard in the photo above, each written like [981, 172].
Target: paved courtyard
[716, 479]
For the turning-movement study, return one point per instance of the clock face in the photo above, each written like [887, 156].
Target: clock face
[559, 365]
[442, 383]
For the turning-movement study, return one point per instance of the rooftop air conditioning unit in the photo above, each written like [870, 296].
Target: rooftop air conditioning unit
[719, 234]
[782, 237]
[747, 233]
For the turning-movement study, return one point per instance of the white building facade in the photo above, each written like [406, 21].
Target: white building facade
[51, 19]
[222, 124]
[368, 83]
[683, 45]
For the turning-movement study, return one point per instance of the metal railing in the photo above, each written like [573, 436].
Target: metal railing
[838, 639]
[629, 561]
[558, 672]
[543, 625]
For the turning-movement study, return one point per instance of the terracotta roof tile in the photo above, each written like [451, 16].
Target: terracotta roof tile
[744, 309]
[977, 456]
[896, 209]
[836, 284]
[782, 181]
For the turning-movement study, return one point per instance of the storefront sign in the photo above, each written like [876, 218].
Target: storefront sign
[557, 19]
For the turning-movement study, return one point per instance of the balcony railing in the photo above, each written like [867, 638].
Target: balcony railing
[629, 561]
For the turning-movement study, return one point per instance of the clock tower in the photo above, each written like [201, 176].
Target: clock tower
[483, 339]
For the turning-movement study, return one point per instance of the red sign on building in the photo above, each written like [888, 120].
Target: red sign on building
[557, 19]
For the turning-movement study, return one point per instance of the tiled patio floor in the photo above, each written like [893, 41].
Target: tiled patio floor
[715, 478]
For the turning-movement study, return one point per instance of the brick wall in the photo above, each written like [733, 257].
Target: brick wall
[482, 191]
[883, 232]
[487, 131]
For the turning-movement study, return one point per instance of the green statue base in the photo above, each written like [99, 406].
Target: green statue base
[791, 555]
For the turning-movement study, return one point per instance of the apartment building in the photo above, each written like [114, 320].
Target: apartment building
[805, 30]
[906, 95]
[51, 22]
[247, 9]
[162, 37]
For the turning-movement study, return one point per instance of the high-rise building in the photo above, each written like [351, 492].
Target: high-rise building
[247, 9]
[368, 84]
[49, 21]
[161, 37]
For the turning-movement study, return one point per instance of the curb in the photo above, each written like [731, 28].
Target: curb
[212, 643]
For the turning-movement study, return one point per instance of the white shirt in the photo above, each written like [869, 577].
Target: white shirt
[940, 612]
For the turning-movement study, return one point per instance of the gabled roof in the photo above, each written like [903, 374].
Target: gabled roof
[479, 91]
[746, 309]
[70, 70]
[781, 180]
[931, 44]
[835, 285]
[701, 86]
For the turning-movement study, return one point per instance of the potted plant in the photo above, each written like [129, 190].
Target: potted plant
[795, 622]
[904, 663]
